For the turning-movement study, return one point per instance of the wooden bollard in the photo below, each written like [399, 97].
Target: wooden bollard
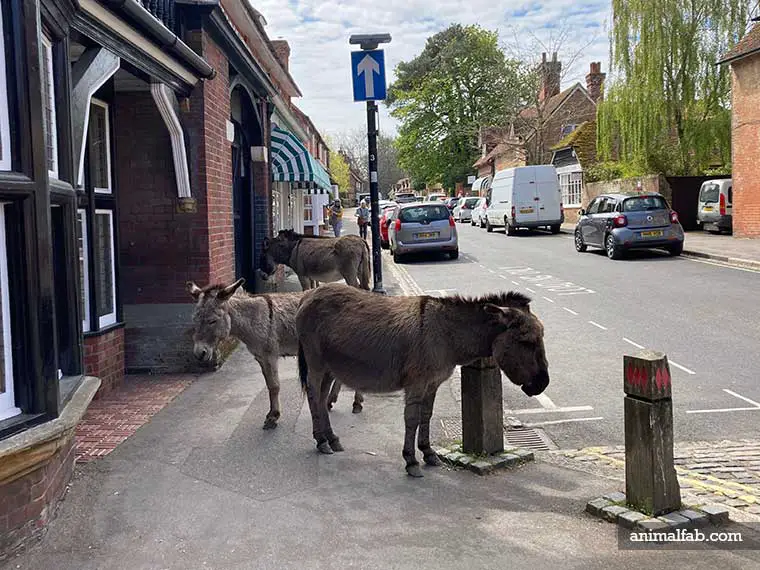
[482, 408]
[651, 485]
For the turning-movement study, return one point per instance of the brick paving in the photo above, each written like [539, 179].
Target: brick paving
[113, 418]
[726, 472]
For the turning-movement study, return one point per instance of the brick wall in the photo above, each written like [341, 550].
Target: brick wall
[30, 501]
[745, 145]
[104, 358]
[576, 110]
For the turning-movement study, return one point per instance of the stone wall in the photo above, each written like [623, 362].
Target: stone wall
[651, 183]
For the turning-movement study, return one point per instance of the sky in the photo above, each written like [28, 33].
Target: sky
[318, 32]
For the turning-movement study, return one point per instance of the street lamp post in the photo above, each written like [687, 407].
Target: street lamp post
[368, 43]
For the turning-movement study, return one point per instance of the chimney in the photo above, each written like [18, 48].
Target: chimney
[595, 82]
[282, 52]
[549, 73]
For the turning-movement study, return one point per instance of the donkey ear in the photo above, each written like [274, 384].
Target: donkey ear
[229, 290]
[193, 289]
[504, 315]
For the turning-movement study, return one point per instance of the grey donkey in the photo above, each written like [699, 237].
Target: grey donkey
[415, 344]
[264, 323]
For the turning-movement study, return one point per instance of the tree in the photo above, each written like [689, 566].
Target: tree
[340, 171]
[460, 81]
[668, 110]
[354, 145]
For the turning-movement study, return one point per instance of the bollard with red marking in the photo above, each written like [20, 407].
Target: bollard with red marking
[650, 477]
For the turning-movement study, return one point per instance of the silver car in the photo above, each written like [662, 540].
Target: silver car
[619, 222]
[464, 208]
[426, 227]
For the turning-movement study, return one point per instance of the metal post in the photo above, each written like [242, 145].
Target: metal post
[377, 262]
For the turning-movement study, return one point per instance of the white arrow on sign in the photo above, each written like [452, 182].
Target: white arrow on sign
[368, 66]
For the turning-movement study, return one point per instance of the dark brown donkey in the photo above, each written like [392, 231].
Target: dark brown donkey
[380, 344]
[264, 323]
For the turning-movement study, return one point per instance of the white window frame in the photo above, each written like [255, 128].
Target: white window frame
[6, 161]
[8, 407]
[86, 271]
[571, 183]
[47, 45]
[104, 106]
[308, 210]
[110, 318]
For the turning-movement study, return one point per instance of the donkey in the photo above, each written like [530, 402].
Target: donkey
[264, 323]
[415, 344]
[318, 259]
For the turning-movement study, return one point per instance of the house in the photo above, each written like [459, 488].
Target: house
[499, 148]
[136, 154]
[570, 156]
[744, 62]
[356, 184]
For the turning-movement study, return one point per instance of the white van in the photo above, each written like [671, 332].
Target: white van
[715, 206]
[525, 197]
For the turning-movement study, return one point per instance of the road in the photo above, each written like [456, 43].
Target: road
[705, 317]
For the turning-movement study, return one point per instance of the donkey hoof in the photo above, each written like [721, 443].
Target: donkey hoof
[357, 408]
[433, 460]
[270, 423]
[325, 448]
[336, 445]
[414, 470]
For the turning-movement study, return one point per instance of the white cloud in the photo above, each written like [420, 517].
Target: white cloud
[318, 33]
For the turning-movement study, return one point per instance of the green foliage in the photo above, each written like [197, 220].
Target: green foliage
[605, 171]
[669, 109]
[460, 81]
[340, 171]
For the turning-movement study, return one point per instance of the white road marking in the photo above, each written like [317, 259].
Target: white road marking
[502, 277]
[629, 341]
[546, 401]
[727, 391]
[567, 421]
[681, 367]
[570, 311]
[717, 264]
[557, 410]
[529, 289]
[516, 283]
[548, 299]
[597, 325]
[491, 270]
[720, 410]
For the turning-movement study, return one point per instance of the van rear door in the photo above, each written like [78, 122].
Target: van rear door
[525, 196]
[549, 194]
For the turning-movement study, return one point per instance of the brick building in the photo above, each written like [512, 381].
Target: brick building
[744, 60]
[135, 155]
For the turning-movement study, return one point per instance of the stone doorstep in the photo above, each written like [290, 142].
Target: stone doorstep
[483, 465]
[612, 508]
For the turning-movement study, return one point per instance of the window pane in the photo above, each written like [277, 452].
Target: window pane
[84, 284]
[48, 90]
[7, 402]
[103, 236]
[99, 147]
[5, 131]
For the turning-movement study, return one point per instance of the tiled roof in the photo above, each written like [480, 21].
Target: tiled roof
[748, 45]
[551, 104]
[583, 140]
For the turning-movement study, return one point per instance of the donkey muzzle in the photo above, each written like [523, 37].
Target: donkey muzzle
[537, 385]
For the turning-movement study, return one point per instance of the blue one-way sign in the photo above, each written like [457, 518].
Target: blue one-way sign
[368, 74]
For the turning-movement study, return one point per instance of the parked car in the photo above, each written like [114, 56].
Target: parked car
[451, 203]
[714, 211]
[422, 227]
[419, 198]
[618, 223]
[478, 217]
[463, 210]
[436, 197]
[406, 198]
[385, 221]
[525, 197]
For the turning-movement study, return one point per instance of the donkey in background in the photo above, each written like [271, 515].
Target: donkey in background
[416, 344]
[264, 323]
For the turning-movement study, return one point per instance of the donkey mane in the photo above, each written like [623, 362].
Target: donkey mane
[213, 290]
[509, 299]
[292, 235]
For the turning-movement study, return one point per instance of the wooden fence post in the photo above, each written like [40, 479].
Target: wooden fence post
[651, 485]
[482, 408]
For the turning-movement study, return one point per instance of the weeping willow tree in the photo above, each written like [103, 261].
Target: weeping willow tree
[669, 108]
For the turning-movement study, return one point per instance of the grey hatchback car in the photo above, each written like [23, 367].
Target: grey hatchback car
[619, 222]
[426, 227]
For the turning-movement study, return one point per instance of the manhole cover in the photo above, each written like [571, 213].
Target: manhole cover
[524, 437]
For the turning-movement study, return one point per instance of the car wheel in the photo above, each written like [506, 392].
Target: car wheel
[510, 230]
[555, 229]
[613, 250]
[676, 250]
[454, 254]
[482, 224]
[580, 246]
[489, 227]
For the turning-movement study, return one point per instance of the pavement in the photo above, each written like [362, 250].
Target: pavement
[726, 249]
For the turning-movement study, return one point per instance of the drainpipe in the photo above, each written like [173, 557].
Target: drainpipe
[167, 38]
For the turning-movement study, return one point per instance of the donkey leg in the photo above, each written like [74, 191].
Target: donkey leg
[412, 413]
[358, 400]
[313, 393]
[305, 283]
[332, 440]
[268, 365]
[423, 441]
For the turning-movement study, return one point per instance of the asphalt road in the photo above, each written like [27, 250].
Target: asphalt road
[704, 317]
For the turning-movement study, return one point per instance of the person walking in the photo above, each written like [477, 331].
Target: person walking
[336, 217]
[362, 215]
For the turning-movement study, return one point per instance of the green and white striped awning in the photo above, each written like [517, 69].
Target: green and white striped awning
[292, 162]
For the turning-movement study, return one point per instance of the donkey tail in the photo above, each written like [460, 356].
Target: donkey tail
[303, 368]
[364, 271]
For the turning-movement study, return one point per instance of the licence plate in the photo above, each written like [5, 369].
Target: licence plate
[707, 209]
[428, 235]
[526, 210]
[651, 234]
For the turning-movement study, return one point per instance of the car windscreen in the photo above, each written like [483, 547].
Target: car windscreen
[644, 204]
[470, 202]
[709, 193]
[424, 214]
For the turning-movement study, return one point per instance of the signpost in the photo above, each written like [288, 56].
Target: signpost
[368, 77]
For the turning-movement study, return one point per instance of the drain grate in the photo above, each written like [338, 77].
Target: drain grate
[524, 437]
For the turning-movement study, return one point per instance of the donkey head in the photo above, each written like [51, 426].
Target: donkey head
[276, 250]
[519, 346]
[211, 317]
